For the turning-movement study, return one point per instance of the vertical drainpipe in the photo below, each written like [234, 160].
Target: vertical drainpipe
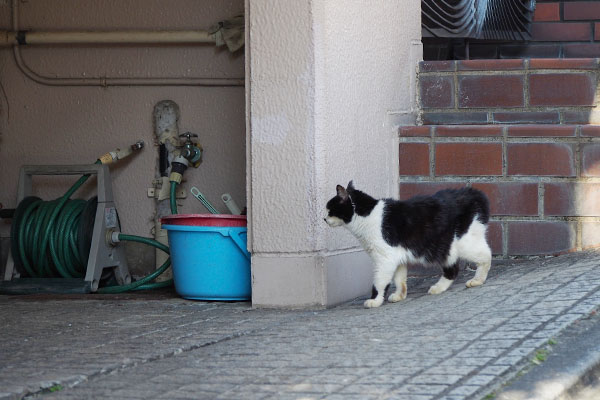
[166, 118]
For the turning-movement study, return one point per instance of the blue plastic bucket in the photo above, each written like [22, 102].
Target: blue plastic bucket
[210, 262]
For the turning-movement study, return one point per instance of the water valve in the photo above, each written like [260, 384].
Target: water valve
[190, 153]
[190, 150]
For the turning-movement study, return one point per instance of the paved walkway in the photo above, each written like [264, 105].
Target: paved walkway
[462, 344]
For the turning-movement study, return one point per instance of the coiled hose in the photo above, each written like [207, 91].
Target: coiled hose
[46, 235]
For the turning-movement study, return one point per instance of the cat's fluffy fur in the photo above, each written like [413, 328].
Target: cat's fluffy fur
[430, 230]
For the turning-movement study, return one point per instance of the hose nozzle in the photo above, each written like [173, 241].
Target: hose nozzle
[119, 154]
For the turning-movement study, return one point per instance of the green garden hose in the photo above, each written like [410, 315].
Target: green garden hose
[173, 198]
[142, 284]
[46, 236]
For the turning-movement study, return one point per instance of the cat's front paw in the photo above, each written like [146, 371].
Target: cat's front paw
[373, 303]
[475, 282]
[398, 296]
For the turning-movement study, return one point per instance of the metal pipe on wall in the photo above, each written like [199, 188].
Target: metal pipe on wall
[104, 37]
[8, 38]
[51, 81]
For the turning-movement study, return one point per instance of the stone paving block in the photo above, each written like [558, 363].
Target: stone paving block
[350, 396]
[360, 388]
[347, 379]
[274, 379]
[480, 380]
[468, 353]
[464, 391]
[493, 344]
[435, 379]
[68, 395]
[552, 306]
[421, 389]
[546, 333]
[250, 373]
[106, 384]
[595, 296]
[556, 326]
[584, 308]
[314, 388]
[230, 395]
[216, 378]
[572, 316]
[583, 284]
[521, 351]
[136, 393]
[457, 361]
[300, 370]
[401, 367]
[294, 396]
[402, 396]
[502, 334]
[454, 397]
[521, 326]
[249, 387]
[540, 314]
[508, 360]
[494, 369]
[459, 369]
[518, 306]
[378, 378]
[567, 294]
[533, 343]
[531, 316]
[540, 289]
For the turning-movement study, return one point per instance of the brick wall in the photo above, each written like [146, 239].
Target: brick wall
[521, 131]
[547, 91]
[560, 29]
[543, 185]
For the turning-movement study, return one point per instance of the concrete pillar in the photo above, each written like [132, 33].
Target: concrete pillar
[328, 82]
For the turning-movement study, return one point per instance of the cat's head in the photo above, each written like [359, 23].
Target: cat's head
[340, 209]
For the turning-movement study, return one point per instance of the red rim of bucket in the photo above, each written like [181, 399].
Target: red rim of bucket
[205, 220]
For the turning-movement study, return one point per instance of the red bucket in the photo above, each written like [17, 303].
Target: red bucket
[205, 220]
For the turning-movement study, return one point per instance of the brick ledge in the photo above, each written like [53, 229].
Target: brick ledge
[508, 130]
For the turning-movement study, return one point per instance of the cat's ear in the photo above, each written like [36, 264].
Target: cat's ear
[341, 192]
[351, 186]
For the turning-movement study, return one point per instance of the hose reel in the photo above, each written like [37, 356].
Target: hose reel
[97, 220]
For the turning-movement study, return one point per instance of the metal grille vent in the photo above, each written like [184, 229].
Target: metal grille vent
[477, 19]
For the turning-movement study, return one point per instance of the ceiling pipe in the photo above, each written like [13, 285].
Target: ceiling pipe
[104, 37]
[16, 37]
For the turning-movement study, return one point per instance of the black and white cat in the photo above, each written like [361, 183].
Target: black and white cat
[430, 230]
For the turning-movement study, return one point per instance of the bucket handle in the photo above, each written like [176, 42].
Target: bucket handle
[235, 236]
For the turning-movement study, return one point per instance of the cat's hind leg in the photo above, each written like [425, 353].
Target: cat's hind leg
[382, 278]
[400, 282]
[484, 262]
[478, 251]
[449, 275]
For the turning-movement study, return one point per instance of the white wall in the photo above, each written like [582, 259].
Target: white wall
[282, 125]
[54, 125]
[367, 54]
[328, 82]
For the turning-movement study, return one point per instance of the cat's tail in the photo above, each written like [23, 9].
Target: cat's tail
[482, 206]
